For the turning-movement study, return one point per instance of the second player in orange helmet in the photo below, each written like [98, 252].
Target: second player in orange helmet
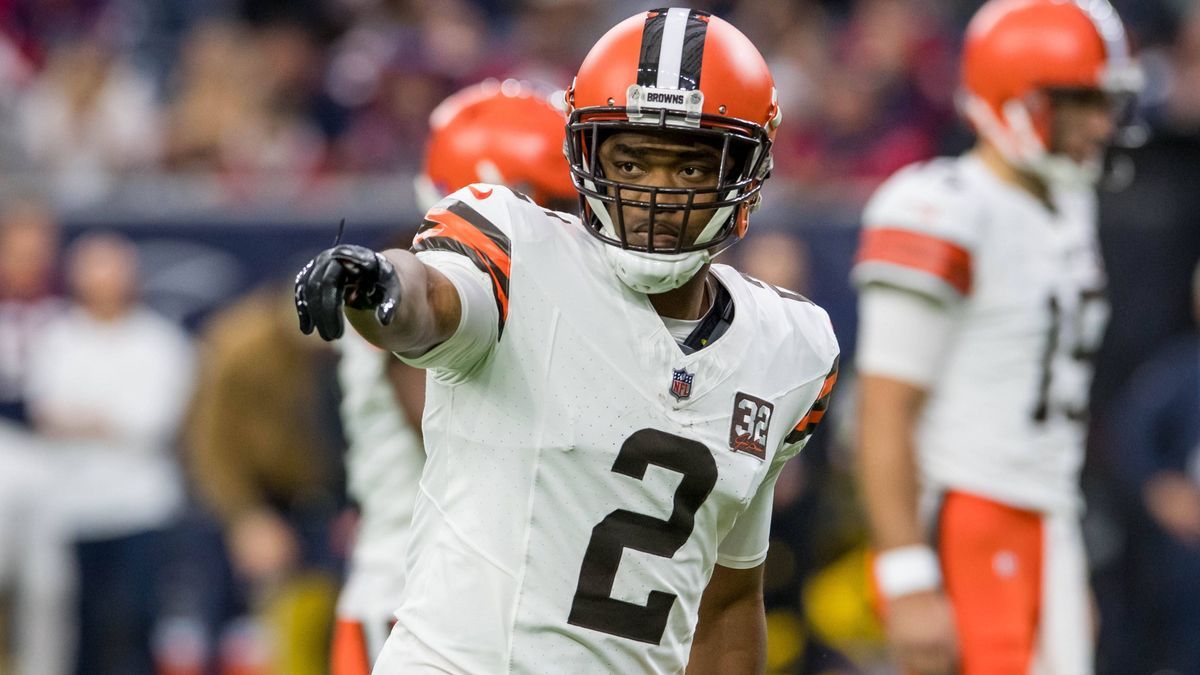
[503, 132]
[981, 305]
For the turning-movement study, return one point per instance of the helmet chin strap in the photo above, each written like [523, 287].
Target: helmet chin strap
[1018, 142]
[1034, 156]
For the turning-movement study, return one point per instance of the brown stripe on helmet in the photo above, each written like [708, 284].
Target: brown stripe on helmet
[652, 31]
[693, 50]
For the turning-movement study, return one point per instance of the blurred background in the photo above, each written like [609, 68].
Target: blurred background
[172, 163]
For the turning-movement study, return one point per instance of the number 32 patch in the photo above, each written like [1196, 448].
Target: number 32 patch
[751, 423]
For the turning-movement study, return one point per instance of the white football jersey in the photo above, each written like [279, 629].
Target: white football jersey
[585, 475]
[383, 466]
[1005, 413]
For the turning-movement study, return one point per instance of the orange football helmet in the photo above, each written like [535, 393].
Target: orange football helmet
[676, 70]
[1016, 50]
[505, 133]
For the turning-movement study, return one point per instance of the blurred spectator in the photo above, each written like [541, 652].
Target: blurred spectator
[1151, 243]
[776, 257]
[393, 67]
[16, 73]
[313, 15]
[28, 253]
[107, 383]
[265, 446]
[244, 104]
[280, 135]
[1158, 420]
[884, 100]
[388, 133]
[795, 37]
[549, 38]
[87, 118]
[38, 26]
[453, 37]
[214, 84]
[1173, 96]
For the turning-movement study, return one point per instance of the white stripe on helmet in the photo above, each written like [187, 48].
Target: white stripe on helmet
[670, 53]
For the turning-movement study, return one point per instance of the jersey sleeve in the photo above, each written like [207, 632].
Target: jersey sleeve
[902, 335]
[796, 439]
[456, 359]
[918, 233]
[746, 544]
[474, 224]
[467, 237]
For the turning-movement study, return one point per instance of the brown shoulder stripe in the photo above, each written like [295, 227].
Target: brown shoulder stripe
[808, 423]
[460, 229]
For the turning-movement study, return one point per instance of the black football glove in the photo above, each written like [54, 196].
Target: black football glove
[354, 275]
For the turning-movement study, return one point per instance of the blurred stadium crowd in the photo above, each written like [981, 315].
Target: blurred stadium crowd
[190, 153]
[255, 90]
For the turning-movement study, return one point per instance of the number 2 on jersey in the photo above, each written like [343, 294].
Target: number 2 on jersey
[593, 606]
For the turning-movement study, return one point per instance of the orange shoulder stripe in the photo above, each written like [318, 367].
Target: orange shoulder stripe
[453, 226]
[926, 253]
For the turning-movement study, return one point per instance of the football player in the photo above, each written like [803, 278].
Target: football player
[607, 410]
[497, 132]
[981, 304]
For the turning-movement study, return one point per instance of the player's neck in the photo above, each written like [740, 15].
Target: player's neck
[688, 302]
[1006, 172]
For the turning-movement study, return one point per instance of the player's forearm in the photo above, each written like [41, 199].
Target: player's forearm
[427, 314]
[888, 411]
[732, 639]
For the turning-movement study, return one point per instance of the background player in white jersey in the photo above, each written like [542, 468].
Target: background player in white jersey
[607, 411]
[981, 305]
[496, 132]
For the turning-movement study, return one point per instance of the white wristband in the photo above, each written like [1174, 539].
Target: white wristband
[907, 569]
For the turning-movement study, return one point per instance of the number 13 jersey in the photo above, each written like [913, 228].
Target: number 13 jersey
[584, 474]
[1004, 414]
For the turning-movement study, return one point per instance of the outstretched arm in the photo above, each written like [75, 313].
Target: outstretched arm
[393, 299]
[426, 315]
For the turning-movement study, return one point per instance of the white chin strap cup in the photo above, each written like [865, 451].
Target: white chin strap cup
[653, 273]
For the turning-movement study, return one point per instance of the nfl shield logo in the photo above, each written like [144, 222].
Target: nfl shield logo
[681, 384]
